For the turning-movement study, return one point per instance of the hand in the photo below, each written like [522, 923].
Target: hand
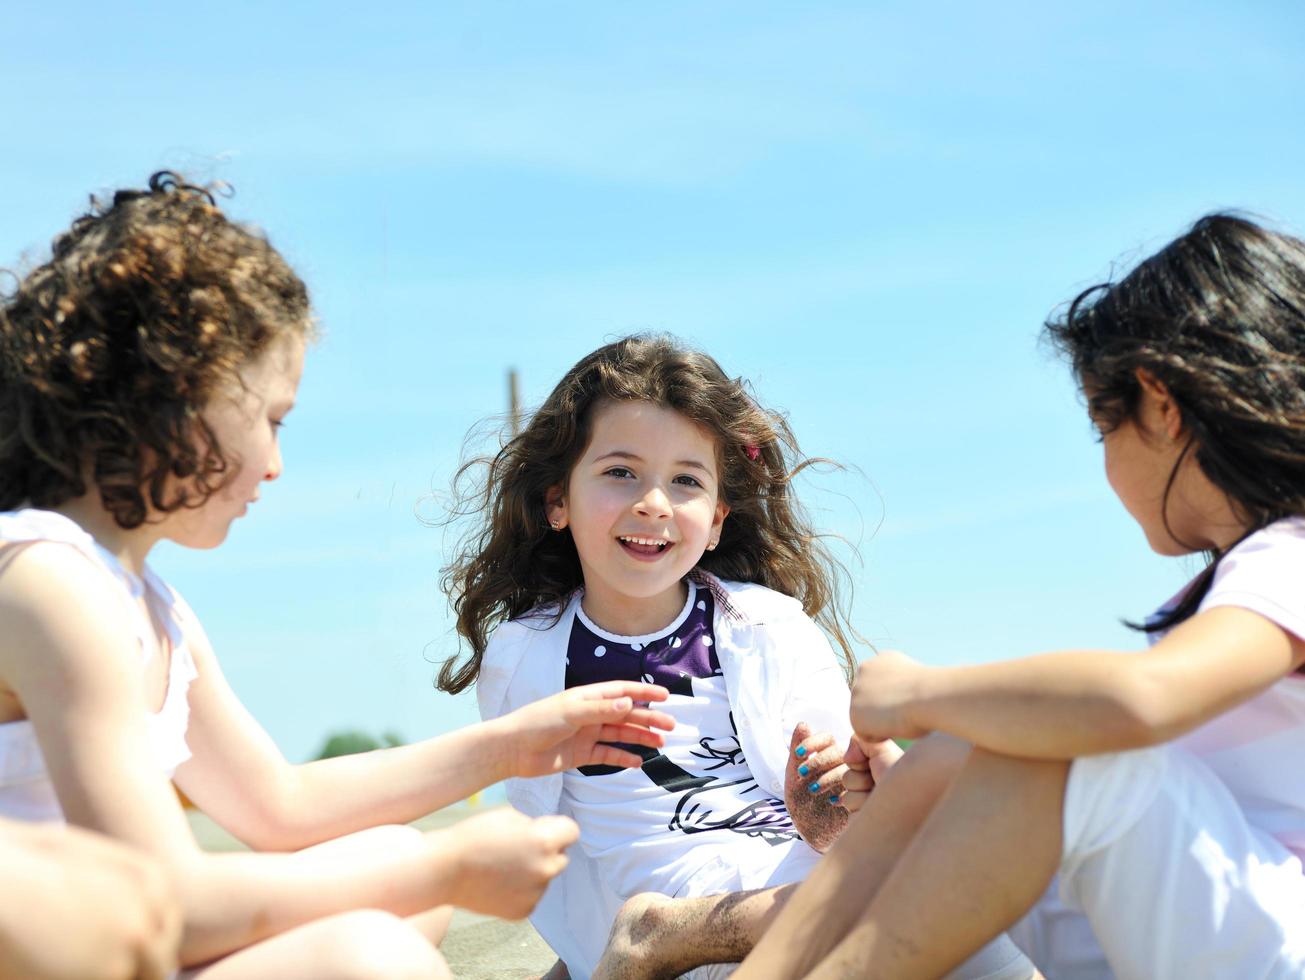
[815, 761]
[866, 765]
[886, 687]
[568, 730]
[77, 906]
[507, 860]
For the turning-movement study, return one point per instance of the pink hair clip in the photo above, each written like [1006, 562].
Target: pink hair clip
[753, 452]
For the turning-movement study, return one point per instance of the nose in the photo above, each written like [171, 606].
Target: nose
[654, 503]
[274, 463]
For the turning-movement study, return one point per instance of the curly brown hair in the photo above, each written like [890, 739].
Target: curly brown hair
[1218, 315]
[108, 351]
[510, 562]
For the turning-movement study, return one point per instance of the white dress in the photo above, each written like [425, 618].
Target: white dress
[26, 792]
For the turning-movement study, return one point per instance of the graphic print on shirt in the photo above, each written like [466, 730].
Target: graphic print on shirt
[709, 777]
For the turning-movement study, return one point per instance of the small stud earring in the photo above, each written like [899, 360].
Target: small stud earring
[555, 525]
[712, 546]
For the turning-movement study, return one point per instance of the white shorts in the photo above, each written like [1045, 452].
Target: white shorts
[999, 960]
[1175, 882]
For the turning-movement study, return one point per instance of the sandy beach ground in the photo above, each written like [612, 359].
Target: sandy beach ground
[478, 947]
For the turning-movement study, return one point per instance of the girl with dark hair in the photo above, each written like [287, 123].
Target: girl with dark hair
[644, 527]
[1164, 788]
[145, 371]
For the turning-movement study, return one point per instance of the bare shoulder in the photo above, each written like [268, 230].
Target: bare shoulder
[59, 611]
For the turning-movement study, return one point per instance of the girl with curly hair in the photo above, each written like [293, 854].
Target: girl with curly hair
[145, 370]
[643, 527]
[1161, 793]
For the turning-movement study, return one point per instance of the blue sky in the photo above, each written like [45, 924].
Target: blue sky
[866, 209]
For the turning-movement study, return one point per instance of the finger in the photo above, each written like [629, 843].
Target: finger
[852, 802]
[855, 756]
[635, 690]
[821, 762]
[631, 733]
[557, 831]
[814, 766]
[830, 782]
[651, 719]
[858, 781]
[554, 866]
[581, 713]
[801, 732]
[817, 742]
[610, 755]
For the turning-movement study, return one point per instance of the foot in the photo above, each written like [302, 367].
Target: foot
[641, 945]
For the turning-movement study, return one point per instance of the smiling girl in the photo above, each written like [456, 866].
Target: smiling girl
[643, 527]
[145, 372]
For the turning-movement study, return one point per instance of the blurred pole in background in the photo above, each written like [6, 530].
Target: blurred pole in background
[514, 402]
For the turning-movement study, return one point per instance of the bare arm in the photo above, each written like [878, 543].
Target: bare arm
[240, 778]
[1062, 705]
[71, 658]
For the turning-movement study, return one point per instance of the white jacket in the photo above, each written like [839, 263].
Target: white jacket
[779, 669]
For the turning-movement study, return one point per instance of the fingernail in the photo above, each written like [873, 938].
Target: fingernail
[803, 770]
[814, 787]
[833, 799]
[801, 751]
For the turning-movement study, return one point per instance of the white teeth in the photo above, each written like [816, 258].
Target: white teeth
[644, 541]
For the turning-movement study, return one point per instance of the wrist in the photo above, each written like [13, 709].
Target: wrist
[918, 710]
[497, 750]
[450, 853]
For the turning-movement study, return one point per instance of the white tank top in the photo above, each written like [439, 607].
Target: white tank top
[26, 792]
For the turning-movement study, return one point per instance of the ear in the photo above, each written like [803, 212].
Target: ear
[555, 507]
[722, 511]
[1157, 397]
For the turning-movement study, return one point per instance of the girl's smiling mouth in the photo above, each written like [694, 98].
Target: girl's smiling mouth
[644, 549]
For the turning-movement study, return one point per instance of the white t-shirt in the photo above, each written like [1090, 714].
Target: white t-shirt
[696, 799]
[1258, 748]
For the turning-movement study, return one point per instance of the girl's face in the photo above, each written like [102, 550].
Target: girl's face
[245, 418]
[1142, 454]
[643, 504]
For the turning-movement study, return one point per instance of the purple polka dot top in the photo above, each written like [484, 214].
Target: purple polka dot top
[685, 651]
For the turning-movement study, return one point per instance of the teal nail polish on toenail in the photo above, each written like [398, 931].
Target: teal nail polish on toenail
[833, 799]
[804, 770]
[814, 787]
[802, 750]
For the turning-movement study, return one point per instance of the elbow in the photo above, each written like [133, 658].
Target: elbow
[1143, 712]
[270, 822]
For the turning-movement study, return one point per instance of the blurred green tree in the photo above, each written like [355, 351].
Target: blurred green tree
[351, 742]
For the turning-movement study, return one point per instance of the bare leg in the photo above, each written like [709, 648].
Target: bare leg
[834, 896]
[983, 857]
[362, 945]
[433, 923]
[656, 937]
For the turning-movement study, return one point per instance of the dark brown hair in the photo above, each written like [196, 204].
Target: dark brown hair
[511, 562]
[109, 350]
[1218, 315]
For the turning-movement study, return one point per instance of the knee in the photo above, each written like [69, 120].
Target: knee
[934, 760]
[643, 916]
[374, 945]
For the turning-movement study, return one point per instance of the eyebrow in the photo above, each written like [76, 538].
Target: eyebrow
[635, 457]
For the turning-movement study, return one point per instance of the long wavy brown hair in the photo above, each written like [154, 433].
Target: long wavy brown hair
[510, 562]
[1218, 315]
[108, 352]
